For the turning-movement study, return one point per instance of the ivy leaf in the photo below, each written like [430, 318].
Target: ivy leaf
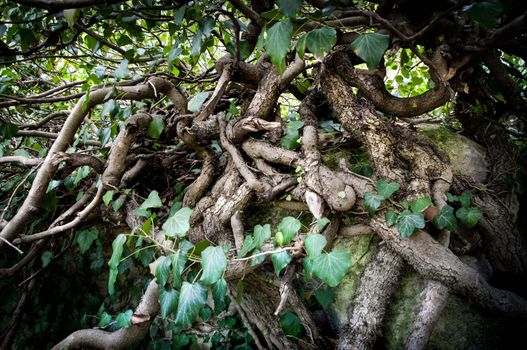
[168, 301]
[155, 128]
[104, 320]
[218, 294]
[124, 319]
[332, 267]
[322, 223]
[213, 262]
[192, 298]
[8, 130]
[117, 247]
[486, 13]
[301, 45]
[408, 222]
[122, 71]
[469, 216]
[308, 263]
[372, 202]
[385, 189]
[178, 224]
[197, 101]
[291, 325]
[248, 245]
[71, 16]
[314, 243]
[153, 201]
[162, 273]
[420, 204]
[261, 235]
[289, 7]
[259, 259]
[445, 219]
[107, 198]
[277, 43]
[325, 297]
[371, 47]
[179, 259]
[289, 226]
[86, 237]
[391, 217]
[109, 107]
[46, 258]
[321, 40]
[280, 260]
[465, 200]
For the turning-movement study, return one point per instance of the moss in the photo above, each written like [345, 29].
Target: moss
[461, 325]
[354, 158]
[267, 213]
[360, 249]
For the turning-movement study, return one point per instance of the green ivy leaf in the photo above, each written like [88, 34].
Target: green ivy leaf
[372, 202]
[420, 204]
[277, 43]
[155, 128]
[314, 244]
[109, 107]
[465, 200]
[192, 298]
[124, 319]
[408, 222]
[321, 40]
[280, 260]
[322, 223]
[219, 291]
[107, 198]
[197, 101]
[162, 273]
[178, 224]
[301, 45]
[117, 247]
[291, 325]
[469, 216]
[325, 297]
[122, 71]
[385, 189]
[391, 217]
[289, 226]
[86, 237]
[213, 262]
[371, 47]
[71, 16]
[153, 201]
[168, 301]
[8, 130]
[179, 259]
[289, 7]
[261, 235]
[486, 13]
[259, 259]
[105, 320]
[308, 263]
[445, 219]
[332, 267]
[248, 245]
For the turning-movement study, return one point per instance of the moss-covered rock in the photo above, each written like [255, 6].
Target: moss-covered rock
[468, 158]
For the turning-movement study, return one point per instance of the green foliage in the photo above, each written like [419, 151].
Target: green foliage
[391, 217]
[117, 252]
[195, 103]
[8, 130]
[261, 235]
[155, 128]
[314, 244]
[322, 223]
[331, 267]
[321, 40]
[192, 298]
[408, 222]
[385, 189]
[153, 201]
[86, 237]
[290, 139]
[178, 224]
[124, 319]
[469, 216]
[485, 13]
[371, 47]
[289, 7]
[122, 71]
[325, 297]
[168, 301]
[219, 291]
[420, 204]
[289, 226]
[163, 269]
[372, 202]
[277, 43]
[280, 260]
[291, 325]
[446, 219]
[213, 262]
